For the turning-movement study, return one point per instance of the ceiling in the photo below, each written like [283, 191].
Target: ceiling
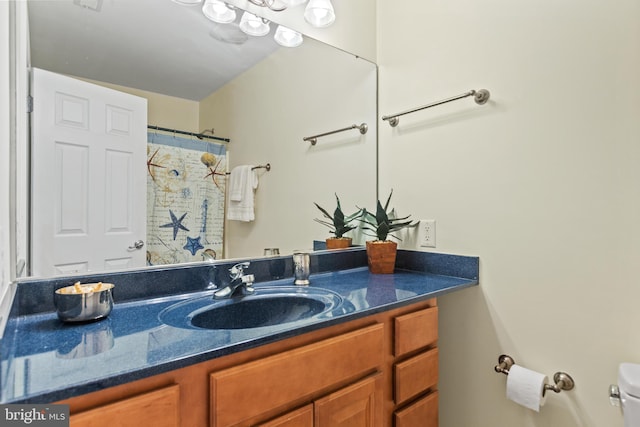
[154, 45]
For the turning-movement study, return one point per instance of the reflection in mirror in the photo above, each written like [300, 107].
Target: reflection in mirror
[196, 75]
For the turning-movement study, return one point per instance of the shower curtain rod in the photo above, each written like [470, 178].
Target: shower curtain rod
[182, 132]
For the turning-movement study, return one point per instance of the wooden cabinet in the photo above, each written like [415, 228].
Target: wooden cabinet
[356, 405]
[245, 392]
[302, 417]
[422, 413]
[415, 330]
[159, 408]
[416, 369]
[415, 375]
[376, 371]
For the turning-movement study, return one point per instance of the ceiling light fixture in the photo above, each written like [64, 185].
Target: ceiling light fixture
[218, 11]
[292, 3]
[94, 5]
[187, 2]
[253, 25]
[319, 13]
[271, 4]
[287, 37]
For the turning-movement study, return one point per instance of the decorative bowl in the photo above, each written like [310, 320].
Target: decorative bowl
[81, 303]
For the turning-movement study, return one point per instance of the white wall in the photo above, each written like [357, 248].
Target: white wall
[542, 183]
[267, 111]
[353, 31]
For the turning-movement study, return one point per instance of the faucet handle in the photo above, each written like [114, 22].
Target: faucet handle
[238, 270]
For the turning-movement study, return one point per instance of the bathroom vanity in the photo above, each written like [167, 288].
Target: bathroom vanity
[373, 363]
[374, 369]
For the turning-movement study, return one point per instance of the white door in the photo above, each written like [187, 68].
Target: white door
[89, 176]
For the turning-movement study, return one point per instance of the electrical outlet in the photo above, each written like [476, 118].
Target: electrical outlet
[427, 233]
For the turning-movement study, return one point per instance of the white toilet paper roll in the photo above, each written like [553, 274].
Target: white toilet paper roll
[525, 387]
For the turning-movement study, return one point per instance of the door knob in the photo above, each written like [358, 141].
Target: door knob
[138, 244]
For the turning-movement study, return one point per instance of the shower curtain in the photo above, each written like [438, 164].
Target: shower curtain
[186, 184]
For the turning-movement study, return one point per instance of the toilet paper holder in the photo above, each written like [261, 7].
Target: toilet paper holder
[562, 380]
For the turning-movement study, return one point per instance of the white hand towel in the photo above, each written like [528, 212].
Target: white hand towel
[243, 209]
[237, 182]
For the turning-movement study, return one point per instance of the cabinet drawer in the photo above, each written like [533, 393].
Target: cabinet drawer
[251, 389]
[159, 408]
[415, 375]
[423, 413]
[302, 417]
[415, 330]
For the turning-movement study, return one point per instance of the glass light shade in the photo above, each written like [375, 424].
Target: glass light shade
[319, 13]
[218, 11]
[287, 37]
[253, 25]
[187, 2]
[291, 3]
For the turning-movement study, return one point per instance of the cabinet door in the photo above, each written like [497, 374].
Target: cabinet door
[249, 390]
[159, 408]
[353, 406]
[422, 413]
[302, 417]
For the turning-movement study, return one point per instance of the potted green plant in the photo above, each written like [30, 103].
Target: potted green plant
[339, 224]
[381, 253]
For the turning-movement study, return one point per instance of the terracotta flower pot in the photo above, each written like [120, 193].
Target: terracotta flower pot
[381, 256]
[338, 242]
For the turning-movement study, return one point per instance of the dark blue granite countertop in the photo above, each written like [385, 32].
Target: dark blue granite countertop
[44, 360]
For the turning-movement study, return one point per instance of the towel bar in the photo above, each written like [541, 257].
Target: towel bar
[267, 167]
[363, 128]
[480, 96]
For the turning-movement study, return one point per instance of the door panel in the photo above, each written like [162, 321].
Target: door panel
[353, 406]
[89, 176]
[302, 417]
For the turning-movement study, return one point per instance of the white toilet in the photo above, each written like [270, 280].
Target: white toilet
[629, 390]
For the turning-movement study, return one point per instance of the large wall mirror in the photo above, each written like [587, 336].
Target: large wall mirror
[198, 75]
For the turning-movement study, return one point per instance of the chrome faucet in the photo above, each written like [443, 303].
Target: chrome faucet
[239, 280]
